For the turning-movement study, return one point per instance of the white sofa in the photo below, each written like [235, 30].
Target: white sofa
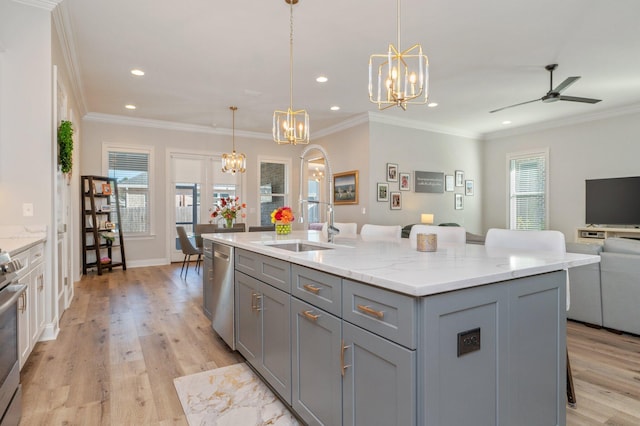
[586, 294]
[620, 279]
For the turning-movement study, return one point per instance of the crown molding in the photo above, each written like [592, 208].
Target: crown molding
[169, 125]
[41, 4]
[350, 122]
[562, 122]
[64, 31]
[378, 117]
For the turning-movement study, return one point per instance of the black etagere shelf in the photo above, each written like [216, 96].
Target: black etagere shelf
[102, 240]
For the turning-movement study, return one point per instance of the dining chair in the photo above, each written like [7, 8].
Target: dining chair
[188, 250]
[546, 241]
[204, 228]
[376, 232]
[446, 234]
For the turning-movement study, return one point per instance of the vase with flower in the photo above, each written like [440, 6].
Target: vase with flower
[228, 209]
[282, 217]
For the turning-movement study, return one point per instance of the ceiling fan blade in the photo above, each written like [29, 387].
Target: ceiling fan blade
[568, 82]
[576, 99]
[511, 106]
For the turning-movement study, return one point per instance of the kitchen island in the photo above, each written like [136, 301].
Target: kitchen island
[374, 332]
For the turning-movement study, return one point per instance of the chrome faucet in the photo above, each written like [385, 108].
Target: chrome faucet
[331, 229]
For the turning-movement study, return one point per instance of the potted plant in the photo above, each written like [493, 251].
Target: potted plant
[65, 147]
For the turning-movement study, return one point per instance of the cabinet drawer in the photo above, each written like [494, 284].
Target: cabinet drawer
[318, 288]
[267, 269]
[385, 313]
[36, 254]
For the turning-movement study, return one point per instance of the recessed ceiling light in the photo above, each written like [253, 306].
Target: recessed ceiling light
[432, 104]
[130, 106]
[506, 122]
[137, 72]
[322, 79]
[335, 108]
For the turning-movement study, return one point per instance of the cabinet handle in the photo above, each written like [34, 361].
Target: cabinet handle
[310, 316]
[312, 289]
[369, 310]
[258, 302]
[40, 282]
[23, 308]
[343, 348]
[253, 301]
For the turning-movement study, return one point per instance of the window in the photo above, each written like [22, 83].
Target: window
[528, 185]
[274, 188]
[131, 168]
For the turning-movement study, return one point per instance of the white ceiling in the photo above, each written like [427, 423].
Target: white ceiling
[201, 56]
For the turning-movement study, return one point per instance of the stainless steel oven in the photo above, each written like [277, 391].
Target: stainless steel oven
[11, 295]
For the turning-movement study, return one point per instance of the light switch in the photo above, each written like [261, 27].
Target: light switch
[27, 209]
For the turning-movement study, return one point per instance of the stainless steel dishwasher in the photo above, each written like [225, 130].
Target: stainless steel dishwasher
[222, 294]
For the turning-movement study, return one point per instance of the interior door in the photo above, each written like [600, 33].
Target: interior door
[188, 175]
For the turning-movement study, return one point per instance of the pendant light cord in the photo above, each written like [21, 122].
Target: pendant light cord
[291, 55]
[398, 27]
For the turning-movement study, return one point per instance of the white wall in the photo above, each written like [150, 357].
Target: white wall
[596, 149]
[153, 250]
[26, 144]
[370, 146]
[422, 150]
[348, 150]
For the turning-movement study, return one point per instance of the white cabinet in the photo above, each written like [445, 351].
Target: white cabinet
[31, 306]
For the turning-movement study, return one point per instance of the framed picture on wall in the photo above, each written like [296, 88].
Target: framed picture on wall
[392, 172]
[396, 201]
[459, 202]
[448, 183]
[459, 178]
[345, 188]
[468, 187]
[382, 192]
[405, 178]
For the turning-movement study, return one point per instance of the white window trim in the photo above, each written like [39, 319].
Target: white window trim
[543, 152]
[136, 149]
[287, 180]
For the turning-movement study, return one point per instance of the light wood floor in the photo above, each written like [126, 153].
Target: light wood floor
[128, 334]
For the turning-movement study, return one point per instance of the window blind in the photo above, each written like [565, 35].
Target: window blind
[131, 170]
[528, 192]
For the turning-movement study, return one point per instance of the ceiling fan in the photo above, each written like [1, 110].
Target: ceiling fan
[554, 95]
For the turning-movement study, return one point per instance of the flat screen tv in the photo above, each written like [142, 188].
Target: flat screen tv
[614, 201]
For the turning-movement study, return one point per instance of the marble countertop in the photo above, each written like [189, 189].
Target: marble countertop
[16, 239]
[17, 245]
[394, 265]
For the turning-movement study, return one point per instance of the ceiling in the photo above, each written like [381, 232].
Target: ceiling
[202, 56]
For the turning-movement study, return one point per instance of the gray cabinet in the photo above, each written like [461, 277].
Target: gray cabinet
[379, 386]
[262, 331]
[480, 369]
[316, 350]
[248, 324]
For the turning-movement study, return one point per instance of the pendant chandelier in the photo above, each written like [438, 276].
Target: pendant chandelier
[232, 163]
[291, 127]
[399, 78]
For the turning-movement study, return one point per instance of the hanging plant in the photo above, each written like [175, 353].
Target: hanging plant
[65, 146]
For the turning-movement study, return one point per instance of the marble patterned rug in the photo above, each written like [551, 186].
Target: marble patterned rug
[230, 396]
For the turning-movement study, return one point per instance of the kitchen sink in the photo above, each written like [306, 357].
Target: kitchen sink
[298, 246]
